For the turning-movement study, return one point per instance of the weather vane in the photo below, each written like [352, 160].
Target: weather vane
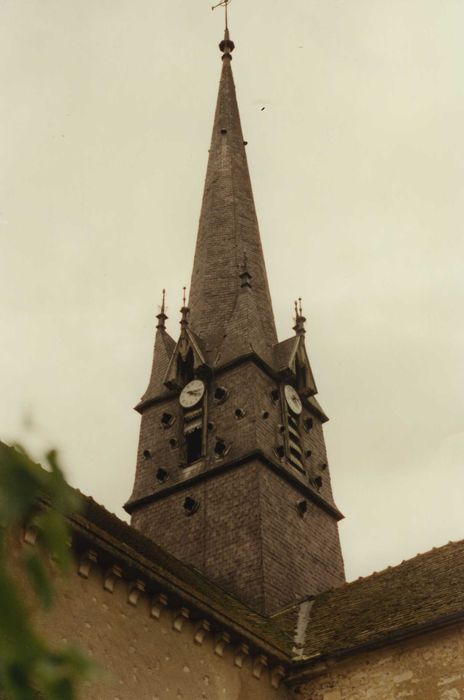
[224, 4]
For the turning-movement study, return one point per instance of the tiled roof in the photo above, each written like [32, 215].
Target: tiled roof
[423, 592]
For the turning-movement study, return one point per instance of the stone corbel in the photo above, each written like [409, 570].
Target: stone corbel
[277, 675]
[222, 642]
[158, 604]
[135, 590]
[259, 664]
[241, 653]
[201, 632]
[180, 618]
[86, 561]
[113, 575]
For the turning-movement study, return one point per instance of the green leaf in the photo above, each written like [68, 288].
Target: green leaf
[39, 578]
[54, 537]
[17, 640]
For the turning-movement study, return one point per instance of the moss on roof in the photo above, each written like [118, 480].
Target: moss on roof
[420, 593]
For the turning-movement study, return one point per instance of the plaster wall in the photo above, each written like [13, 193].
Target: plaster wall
[142, 658]
[428, 667]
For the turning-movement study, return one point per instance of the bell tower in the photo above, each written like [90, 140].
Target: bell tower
[232, 474]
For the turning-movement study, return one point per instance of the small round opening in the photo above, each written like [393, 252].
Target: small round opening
[308, 424]
[210, 426]
[147, 454]
[191, 505]
[281, 428]
[265, 415]
[161, 475]
[302, 508]
[308, 454]
[318, 482]
[167, 419]
[324, 466]
[239, 413]
[173, 443]
[220, 394]
[275, 395]
[220, 448]
[279, 451]
[223, 131]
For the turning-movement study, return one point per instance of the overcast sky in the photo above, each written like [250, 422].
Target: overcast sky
[357, 169]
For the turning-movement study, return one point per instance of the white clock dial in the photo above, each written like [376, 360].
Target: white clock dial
[293, 400]
[192, 393]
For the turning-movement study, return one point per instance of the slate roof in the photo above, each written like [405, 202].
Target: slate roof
[164, 348]
[228, 231]
[421, 593]
[284, 351]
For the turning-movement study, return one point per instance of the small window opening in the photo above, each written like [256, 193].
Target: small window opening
[147, 454]
[239, 413]
[280, 451]
[318, 482]
[275, 394]
[161, 475]
[293, 423]
[265, 415]
[220, 448]
[308, 454]
[220, 394]
[324, 466]
[191, 505]
[173, 443]
[281, 428]
[185, 368]
[210, 426]
[308, 424]
[223, 131]
[302, 508]
[167, 419]
[194, 445]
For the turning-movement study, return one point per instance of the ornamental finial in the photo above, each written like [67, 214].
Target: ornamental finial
[226, 45]
[162, 314]
[184, 310]
[299, 326]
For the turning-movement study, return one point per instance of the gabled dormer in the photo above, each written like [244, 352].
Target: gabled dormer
[188, 358]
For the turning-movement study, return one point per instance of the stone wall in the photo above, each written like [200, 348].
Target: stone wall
[428, 667]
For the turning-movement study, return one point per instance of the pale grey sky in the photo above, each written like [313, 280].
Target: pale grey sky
[357, 169]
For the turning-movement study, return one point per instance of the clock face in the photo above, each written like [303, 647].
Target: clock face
[293, 400]
[192, 393]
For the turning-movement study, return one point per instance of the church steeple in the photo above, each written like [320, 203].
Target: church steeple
[232, 473]
[228, 226]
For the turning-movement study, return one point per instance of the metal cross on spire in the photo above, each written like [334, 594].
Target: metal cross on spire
[224, 4]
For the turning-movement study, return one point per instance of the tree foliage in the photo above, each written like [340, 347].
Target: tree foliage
[39, 498]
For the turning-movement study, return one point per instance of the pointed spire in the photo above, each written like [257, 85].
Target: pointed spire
[300, 320]
[162, 314]
[162, 353]
[228, 226]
